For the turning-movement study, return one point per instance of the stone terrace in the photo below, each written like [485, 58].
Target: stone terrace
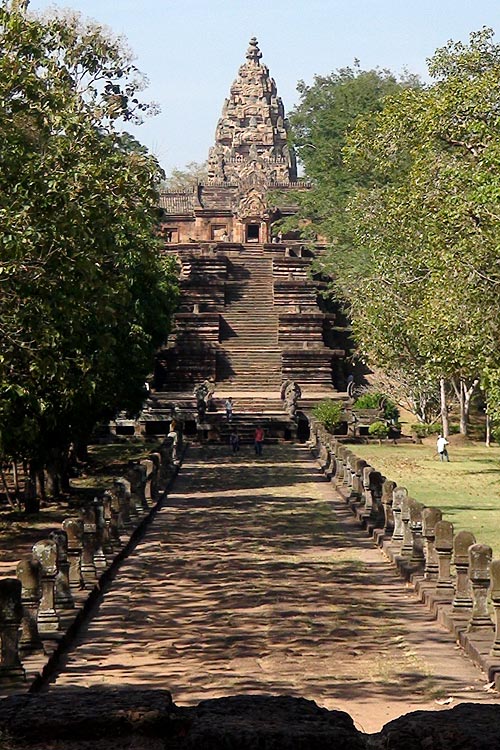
[254, 578]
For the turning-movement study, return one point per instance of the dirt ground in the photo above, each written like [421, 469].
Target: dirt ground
[255, 578]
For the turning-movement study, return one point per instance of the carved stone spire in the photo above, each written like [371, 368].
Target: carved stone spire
[251, 136]
[253, 51]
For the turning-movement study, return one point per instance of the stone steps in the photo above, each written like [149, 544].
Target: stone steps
[245, 359]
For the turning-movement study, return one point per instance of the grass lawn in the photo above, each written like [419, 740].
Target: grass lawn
[467, 489]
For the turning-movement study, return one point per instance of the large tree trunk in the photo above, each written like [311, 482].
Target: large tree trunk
[40, 484]
[31, 501]
[15, 473]
[468, 392]
[52, 484]
[10, 499]
[464, 395]
[444, 408]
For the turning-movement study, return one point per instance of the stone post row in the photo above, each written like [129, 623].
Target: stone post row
[11, 612]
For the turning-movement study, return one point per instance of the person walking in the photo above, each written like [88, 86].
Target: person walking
[234, 440]
[441, 444]
[258, 440]
[229, 409]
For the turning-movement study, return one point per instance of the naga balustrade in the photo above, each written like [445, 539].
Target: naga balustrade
[55, 581]
[452, 573]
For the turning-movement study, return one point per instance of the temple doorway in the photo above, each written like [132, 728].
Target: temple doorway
[253, 233]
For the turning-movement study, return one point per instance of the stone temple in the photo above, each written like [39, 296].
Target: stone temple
[250, 315]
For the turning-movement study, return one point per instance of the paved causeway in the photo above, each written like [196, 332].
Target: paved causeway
[255, 578]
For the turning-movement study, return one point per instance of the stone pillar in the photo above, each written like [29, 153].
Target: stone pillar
[495, 598]
[407, 544]
[63, 597]
[110, 508]
[388, 488]
[100, 536]
[331, 466]
[155, 478]
[11, 612]
[88, 568]
[417, 555]
[165, 466]
[45, 552]
[463, 593]
[443, 544]
[28, 573]
[398, 495]
[430, 517]
[137, 478]
[367, 492]
[122, 486]
[148, 494]
[479, 572]
[324, 455]
[346, 472]
[358, 465]
[348, 468]
[377, 516]
[339, 464]
[74, 531]
[313, 436]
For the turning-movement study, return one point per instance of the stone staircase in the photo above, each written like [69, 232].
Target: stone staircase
[249, 357]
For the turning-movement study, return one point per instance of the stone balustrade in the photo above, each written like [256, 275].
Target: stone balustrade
[57, 582]
[451, 573]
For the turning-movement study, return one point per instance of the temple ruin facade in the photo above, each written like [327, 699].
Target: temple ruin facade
[250, 317]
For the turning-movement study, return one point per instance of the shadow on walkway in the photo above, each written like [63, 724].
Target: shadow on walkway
[254, 578]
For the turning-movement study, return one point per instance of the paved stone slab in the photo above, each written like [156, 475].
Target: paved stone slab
[254, 578]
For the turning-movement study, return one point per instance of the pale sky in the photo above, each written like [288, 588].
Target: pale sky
[191, 49]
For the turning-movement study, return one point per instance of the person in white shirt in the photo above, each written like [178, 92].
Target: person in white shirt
[441, 448]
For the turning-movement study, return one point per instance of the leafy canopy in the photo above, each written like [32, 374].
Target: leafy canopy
[84, 296]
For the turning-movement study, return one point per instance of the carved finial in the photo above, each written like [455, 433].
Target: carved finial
[253, 51]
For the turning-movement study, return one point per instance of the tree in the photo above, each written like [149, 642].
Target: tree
[84, 295]
[428, 220]
[187, 178]
[320, 123]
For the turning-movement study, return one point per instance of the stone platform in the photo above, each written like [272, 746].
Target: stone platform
[255, 579]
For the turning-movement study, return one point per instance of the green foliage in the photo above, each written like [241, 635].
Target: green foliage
[187, 178]
[327, 112]
[429, 217]
[421, 429]
[379, 430]
[329, 413]
[376, 400]
[414, 222]
[84, 297]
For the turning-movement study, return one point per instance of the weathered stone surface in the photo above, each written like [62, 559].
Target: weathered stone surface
[126, 719]
[80, 714]
[270, 723]
[470, 726]
[252, 128]
[119, 719]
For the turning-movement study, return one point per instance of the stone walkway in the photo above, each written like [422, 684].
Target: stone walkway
[255, 578]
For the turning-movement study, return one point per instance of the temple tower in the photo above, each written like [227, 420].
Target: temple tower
[250, 158]
[249, 317]
[252, 133]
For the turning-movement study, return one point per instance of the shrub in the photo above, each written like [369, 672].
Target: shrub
[420, 429]
[435, 429]
[376, 400]
[329, 413]
[379, 430]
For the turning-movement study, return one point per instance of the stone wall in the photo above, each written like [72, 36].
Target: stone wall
[55, 586]
[453, 574]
